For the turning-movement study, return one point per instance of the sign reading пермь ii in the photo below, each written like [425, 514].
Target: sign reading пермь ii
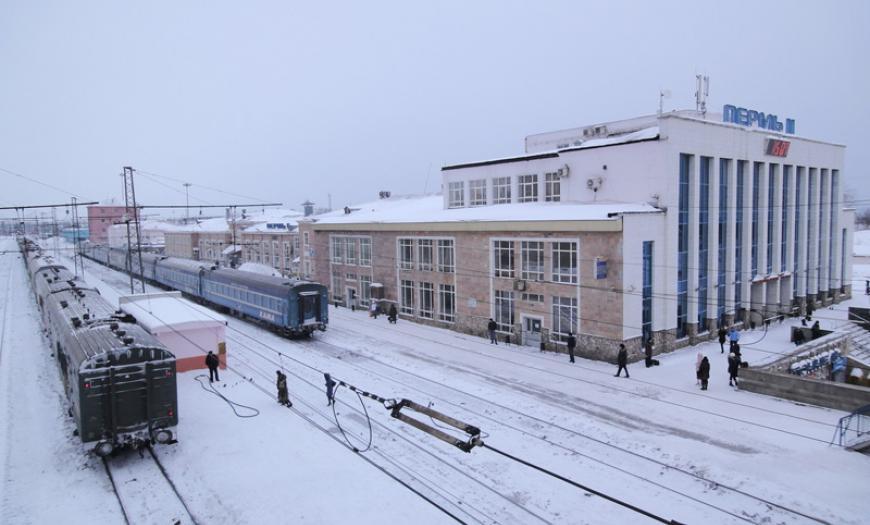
[750, 117]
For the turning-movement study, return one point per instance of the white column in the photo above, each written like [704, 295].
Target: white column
[776, 251]
[813, 223]
[802, 209]
[747, 237]
[836, 192]
[825, 232]
[762, 217]
[731, 234]
[713, 245]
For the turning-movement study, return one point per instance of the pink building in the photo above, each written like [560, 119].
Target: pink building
[100, 218]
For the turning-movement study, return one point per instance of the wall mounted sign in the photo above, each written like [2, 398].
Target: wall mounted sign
[751, 117]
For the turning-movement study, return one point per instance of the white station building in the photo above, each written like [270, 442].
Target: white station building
[712, 219]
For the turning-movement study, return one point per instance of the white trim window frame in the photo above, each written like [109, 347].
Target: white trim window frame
[503, 263]
[564, 256]
[456, 194]
[427, 300]
[564, 318]
[365, 251]
[425, 254]
[406, 254]
[552, 187]
[477, 192]
[446, 256]
[446, 303]
[503, 315]
[532, 257]
[407, 296]
[350, 250]
[501, 190]
[527, 188]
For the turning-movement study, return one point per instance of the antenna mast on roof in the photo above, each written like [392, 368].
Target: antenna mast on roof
[702, 90]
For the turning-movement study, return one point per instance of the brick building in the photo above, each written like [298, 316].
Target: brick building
[274, 244]
[100, 217]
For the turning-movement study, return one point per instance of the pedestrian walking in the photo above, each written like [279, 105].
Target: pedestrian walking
[491, 327]
[572, 342]
[809, 311]
[373, 309]
[393, 315]
[281, 383]
[622, 360]
[212, 362]
[733, 368]
[733, 337]
[722, 334]
[330, 389]
[704, 373]
[698, 368]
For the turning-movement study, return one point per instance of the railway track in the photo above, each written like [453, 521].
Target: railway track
[145, 492]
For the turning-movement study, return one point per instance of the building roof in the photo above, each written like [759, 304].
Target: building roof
[167, 312]
[430, 209]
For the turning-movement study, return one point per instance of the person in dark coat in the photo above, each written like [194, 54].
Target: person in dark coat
[722, 334]
[648, 352]
[491, 327]
[799, 337]
[733, 368]
[809, 312]
[816, 330]
[393, 315]
[572, 343]
[330, 390]
[622, 361]
[281, 383]
[704, 372]
[212, 362]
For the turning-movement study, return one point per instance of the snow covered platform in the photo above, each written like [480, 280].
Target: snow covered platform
[189, 331]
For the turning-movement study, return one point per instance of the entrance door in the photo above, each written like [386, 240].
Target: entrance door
[532, 331]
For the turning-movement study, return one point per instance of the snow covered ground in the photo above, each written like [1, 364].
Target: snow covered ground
[861, 243]
[654, 441]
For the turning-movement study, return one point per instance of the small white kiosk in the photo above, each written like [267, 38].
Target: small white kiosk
[187, 329]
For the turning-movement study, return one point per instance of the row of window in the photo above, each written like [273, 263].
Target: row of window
[351, 250]
[563, 256]
[426, 254]
[248, 297]
[564, 310]
[261, 253]
[180, 277]
[418, 299]
[499, 190]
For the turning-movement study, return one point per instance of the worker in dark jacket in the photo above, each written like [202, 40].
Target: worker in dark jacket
[704, 372]
[330, 390]
[722, 334]
[281, 383]
[733, 368]
[393, 315]
[212, 362]
[572, 343]
[816, 330]
[648, 352]
[491, 327]
[622, 361]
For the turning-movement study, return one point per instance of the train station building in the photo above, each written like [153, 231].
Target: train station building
[663, 226]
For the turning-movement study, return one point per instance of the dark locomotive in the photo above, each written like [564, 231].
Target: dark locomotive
[290, 306]
[119, 380]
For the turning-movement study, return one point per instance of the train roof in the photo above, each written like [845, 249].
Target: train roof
[276, 285]
[115, 344]
[187, 265]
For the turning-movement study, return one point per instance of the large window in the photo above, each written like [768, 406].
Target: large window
[738, 236]
[721, 251]
[365, 251]
[771, 193]
[445, 256]
[552, 187]
[427, 300]
[305, 240]
[447, 302]
[646, 301]
[501, 190]
[564, 262]
[703, 240]
[564, 317]
[812, 226]
[786, 175]
[532, 253]
[336, 288]
[456, 194]
[798, 206]
[756, 183]
[528, 188]
[350, 250]
[504, 310]
[365, 286]
[407, 305]
[503, 258]
[336, 248]
[424, 254]
[477, 193]
[406, 254]
[683, 246]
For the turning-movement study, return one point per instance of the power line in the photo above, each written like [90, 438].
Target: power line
[36, 181]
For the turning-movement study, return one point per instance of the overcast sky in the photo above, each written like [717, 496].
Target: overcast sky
[286, 101]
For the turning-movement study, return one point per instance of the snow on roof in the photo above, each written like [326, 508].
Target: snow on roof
[278, 225]
[232, 248]
[430, 208]
[167, 311]
[260, 269]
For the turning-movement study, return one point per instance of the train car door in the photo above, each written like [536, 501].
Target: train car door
[309, 307]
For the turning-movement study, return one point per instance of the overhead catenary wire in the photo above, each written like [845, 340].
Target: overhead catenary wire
[267, 346]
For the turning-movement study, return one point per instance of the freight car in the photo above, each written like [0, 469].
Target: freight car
[119, 380]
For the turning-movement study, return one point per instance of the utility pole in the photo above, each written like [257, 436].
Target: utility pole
[186, 203]
[133, 235]
[78, 259]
